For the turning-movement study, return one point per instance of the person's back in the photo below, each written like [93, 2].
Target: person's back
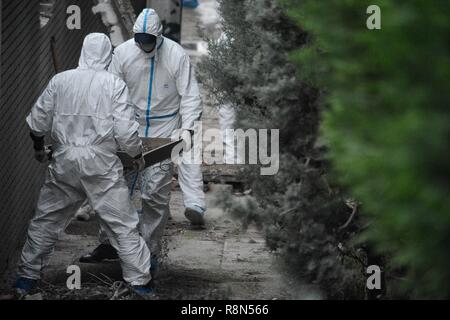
[83, 114]
[86, 111]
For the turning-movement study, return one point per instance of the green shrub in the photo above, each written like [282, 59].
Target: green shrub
[387, 125]
[299, 211]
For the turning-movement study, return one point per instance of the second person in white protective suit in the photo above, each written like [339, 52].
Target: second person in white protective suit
[87, 114]
[166, 98]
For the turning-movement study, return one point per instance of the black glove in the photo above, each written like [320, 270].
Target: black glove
[39, 149]
[40, 155]
[187, 137]
[49, 152]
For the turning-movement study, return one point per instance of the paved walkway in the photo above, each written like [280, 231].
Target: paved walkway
[221, 261]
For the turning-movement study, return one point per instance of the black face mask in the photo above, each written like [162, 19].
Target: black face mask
[146, 42]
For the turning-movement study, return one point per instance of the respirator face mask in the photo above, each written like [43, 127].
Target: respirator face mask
[147, 42]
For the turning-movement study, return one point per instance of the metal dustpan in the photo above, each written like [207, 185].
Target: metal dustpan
[155, 151]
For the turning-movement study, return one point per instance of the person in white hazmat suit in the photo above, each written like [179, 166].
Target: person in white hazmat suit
[87, 114]
[165, 94]
[227, 119]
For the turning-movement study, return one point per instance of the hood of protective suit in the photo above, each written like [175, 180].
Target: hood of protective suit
[148, 22]
[96, 52]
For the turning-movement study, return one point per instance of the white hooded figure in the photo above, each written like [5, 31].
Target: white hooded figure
[166, 98]
[87, 114]
[227, 119]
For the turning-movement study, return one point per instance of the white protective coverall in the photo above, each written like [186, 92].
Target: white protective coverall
[87, 113]
[227, 118]
[165, 94]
